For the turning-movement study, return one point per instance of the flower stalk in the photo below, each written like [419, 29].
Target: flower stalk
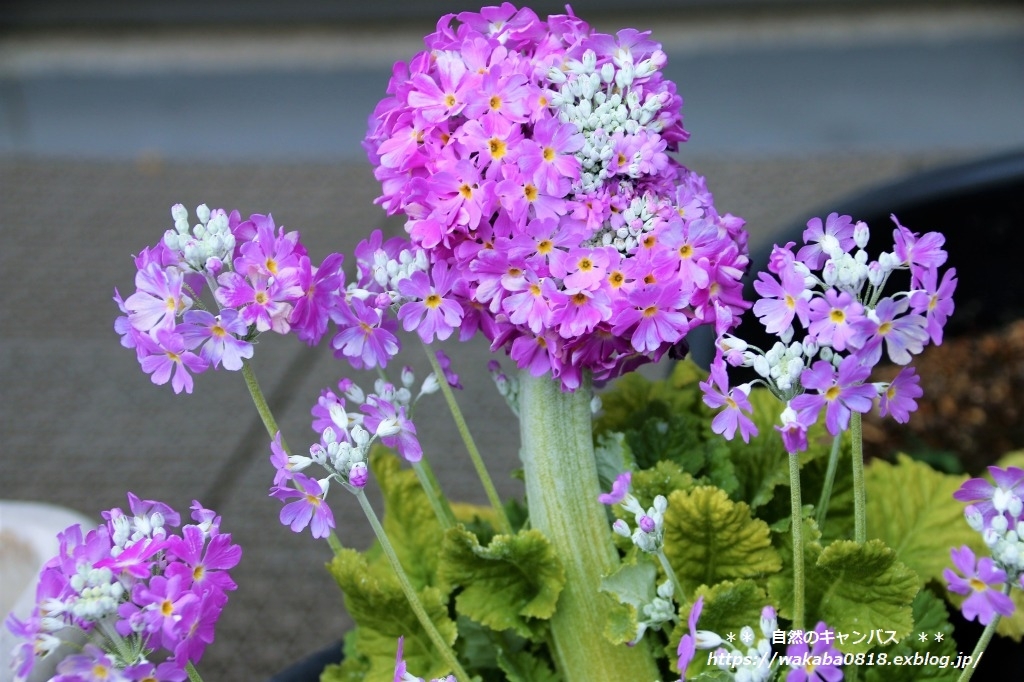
[798, 542]
[562, 495]
[503, 524]
[860, 514]
[410, 592]
[983, 642]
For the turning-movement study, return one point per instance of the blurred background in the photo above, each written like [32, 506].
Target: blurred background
[111, 112]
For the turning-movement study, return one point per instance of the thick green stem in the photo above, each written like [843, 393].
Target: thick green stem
[830, 478]
[796, 513]
[561, 492]
[410, 592]
[193, 674]
[504, 526]
[983, 641]
[860, 513]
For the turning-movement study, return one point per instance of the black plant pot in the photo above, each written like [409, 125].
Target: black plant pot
[308, 669]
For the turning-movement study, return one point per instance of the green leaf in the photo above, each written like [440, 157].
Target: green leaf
[664, 478]
[709, 538]
[930, 618]
[523, 666]
[911, 509]
[409, 521]
[513, 583]
[376, 602]
[632, 583]
[857, 589]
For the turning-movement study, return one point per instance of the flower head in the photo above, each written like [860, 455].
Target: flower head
[982, 581]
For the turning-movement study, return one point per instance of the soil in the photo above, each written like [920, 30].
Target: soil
[970, 413]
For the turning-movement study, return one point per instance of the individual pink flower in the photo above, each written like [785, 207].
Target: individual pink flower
[898, 398]
[687, 648]
[309, 509]
[983, 582]
[822, 240]
[737, 406]
[920, 253]
[158, 298]
[620, 488]
[833, 317]
[904, 333]
[653, 317]
[365, 336]
[548, 157]
[219, 337]
[432, 313]
[935, 302]
[167, 358]
[319, 289]
[822, 650]
[991, 500]
[839, 392]
[782, 300]
[263, 301]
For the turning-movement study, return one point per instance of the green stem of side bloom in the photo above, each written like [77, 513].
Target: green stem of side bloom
[797, 526]
[503, 524]
[562, 492]
[410, 592]
[270, 424]
[193, 674]
[677, 587]
[860, 514]
[260, 401]
[983, 641]
[438, 502]
[830, 477]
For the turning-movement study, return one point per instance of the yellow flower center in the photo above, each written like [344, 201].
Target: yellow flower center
[432, 301]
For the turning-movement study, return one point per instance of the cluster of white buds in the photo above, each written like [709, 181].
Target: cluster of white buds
[205, 247]
[387, 272]
[750, 661]
[99, 594]
[1003, 533]
[649, 535]
[659, 611]
[602, 105]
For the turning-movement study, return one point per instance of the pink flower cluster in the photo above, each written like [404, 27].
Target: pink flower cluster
[147, 600]
[530, 158]
[262, 280]
[832, 294]
[995, 509]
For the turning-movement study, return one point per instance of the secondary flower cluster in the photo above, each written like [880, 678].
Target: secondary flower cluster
[997, 512]
[754, 662]
[833, 294]
[261, 279]
[345, 441]
[531, 160]
[145, 600]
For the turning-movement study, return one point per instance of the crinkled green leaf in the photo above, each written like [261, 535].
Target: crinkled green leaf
[664, 478]
[512, 583]
[930, 618]
[709, 538]
[632, 583]
[859, 588]
[621, 621]
[522, 666]
[911, 508]
[377, 604]
[409, 521]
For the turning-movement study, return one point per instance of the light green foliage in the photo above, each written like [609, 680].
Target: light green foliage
[512, 583]
[861, 588]
[664, 478]
[408, 520]
[523, 666]
[632, 585]
[911, 509]
[709, 538]
[377, 604]
[930, 617]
